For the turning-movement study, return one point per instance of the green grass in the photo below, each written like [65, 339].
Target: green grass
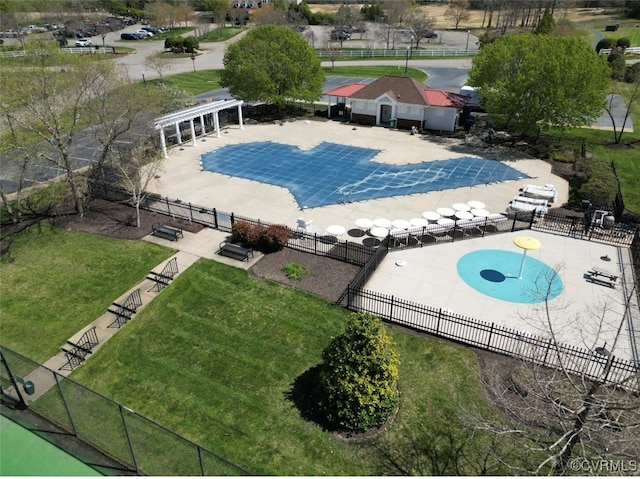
[55, 282]
[227, 33]
[215, 356]
[201, 81]
[374, 71]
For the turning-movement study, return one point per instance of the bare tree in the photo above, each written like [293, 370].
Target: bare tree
[269, 15]
[614, 96]
[135, 169]
[184, 12]
[458, 12]
[563, 421]
[158, 63]
[419, 23]
[62, 106]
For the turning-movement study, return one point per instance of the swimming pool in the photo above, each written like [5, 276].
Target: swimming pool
[331, 173]
[494, 273]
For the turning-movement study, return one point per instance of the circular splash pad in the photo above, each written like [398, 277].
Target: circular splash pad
[495, 272]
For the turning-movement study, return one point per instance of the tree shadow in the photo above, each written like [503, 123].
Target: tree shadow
[305, 394]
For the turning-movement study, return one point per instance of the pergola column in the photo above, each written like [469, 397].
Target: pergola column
[178, 133]
[204, 130]
[216, 123]
[163, 142]
[329, 109]
[193, 132]
[240, 116]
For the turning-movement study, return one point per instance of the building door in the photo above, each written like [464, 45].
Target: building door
[385, 114]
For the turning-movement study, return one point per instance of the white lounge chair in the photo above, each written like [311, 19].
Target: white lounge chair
[547, 192]
[303, 225]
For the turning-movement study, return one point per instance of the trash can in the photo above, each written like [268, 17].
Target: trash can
[394, 123]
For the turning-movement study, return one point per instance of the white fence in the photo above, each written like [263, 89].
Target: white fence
[398, 54]
[90, 50]
[627, 51]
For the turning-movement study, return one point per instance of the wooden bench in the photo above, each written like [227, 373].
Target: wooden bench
[235, 251]
[166, 232]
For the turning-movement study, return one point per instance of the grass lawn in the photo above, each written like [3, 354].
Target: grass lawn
[200, 81]
[215, 356]
[226, 33]
[56, 282]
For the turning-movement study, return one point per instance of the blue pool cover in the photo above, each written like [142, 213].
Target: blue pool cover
[331, 173]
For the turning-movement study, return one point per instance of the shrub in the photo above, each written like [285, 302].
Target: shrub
[604, 44]
[172, 42]
[295, 271]
[267, 239]
[191, 44]
[623, 42]
[242, 232]
[632, 73]
[601, 185]
[357, 382]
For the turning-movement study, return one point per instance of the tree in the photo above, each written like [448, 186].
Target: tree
[618, 66]
[604, 44]
[568, 423]
[372, 11]
[546, 25]
[64, 106]
[217, 9]
[135, 169]
[359, 375]
[457, 12]
[419, 22]
[531, 81]
[158, 63]
[632, 75]
[272, 64]
[184, 12]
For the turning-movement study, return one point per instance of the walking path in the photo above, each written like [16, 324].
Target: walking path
[191, 248]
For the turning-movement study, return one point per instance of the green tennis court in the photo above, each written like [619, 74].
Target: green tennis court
[23, 453]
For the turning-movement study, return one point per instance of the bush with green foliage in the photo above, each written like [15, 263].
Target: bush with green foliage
[267, 239]
[632, 73]
[358, 379]
[601, 185]
[604, 44]
[295, 271]
[191, 44]
[618, 66]
[371, 11]
[623, 42]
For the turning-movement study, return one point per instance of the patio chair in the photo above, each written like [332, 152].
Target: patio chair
[303, 225]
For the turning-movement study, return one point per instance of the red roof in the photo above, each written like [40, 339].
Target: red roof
[346, 90]
[444, 98]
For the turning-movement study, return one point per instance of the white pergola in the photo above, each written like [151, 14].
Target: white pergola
[177, 117]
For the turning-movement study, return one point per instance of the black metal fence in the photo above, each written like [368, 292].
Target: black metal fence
[141, 445]
[492, 337]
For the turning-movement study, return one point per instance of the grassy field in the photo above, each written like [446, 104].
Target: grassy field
[56, 282]
[215, 358]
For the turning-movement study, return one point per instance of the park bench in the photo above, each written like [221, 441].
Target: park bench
[235, 251]
[166, 232]
[163, 278]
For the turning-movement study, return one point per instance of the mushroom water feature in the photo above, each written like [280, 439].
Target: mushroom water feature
[527, 243]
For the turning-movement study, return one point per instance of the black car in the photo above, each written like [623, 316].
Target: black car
[429, 34]
[340, 35]
[129, 36]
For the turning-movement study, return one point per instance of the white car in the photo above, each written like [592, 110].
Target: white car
[144, 33]
[83, 42]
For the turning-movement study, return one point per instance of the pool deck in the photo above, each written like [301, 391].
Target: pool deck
[430, 276]
[182, 177]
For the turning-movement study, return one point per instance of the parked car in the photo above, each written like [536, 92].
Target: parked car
[144, 33]
[340, 35]
[83, 42]
[429, 34]
[129, 36]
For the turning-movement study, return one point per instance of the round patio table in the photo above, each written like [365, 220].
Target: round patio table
[418, 222]
[446, 212]
[476, 204]
[401, 224]
[382, 223]
[431, 215]
[379, 232]
[526, 243]
[480, 212]
[364, 224]
[335, 230]
[463, 215]
[461, 207]
[446, 222]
